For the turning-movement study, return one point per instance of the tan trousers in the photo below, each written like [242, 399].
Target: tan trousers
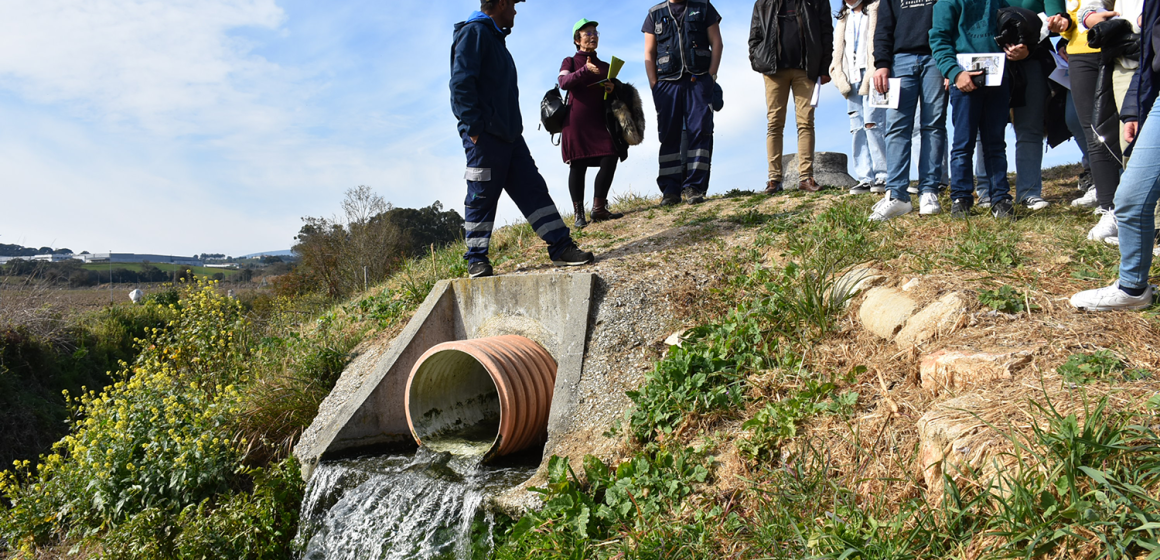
[777, 92]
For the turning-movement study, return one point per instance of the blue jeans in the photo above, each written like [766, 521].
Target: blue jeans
[920, 80]
[1136, 204]
[980, 115]
[869, 148]
[1029, 133]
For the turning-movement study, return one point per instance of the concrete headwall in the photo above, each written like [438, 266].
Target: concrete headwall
[368, 411]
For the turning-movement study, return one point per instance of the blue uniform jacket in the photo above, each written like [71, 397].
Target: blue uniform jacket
[485, 96]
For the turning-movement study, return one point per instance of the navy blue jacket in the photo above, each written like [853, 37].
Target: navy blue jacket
[1145, 87]
[485, 96]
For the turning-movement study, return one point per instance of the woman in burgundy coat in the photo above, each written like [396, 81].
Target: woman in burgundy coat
[586, 140]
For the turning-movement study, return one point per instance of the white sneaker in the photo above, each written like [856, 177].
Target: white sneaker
[1089, 200]
[1156, 252]
[984, 202]
[1035, 203]
[913, 189]
[889, 209]
[928, 205]
[1111, 298]
[1107, 226]
[1112, 241]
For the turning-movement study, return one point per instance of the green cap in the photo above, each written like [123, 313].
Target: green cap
[580, 25]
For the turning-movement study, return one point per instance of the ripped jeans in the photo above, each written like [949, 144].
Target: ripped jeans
[869, 151]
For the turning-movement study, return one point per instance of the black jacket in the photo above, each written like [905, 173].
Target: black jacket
[817, 31]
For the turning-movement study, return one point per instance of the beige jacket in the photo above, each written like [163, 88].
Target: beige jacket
[837, 71]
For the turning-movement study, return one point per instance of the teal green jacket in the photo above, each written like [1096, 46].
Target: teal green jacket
[963, 26]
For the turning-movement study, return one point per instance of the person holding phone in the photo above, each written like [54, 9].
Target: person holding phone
[980, 111]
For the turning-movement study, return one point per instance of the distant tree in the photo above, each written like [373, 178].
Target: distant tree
[63, 252]
[336, 253]
[426, 227]
[272, 259]
[219, 276]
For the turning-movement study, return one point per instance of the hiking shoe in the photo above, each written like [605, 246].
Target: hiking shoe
[890, 209]
[693, 196]
[573, 256]
[1111, 298]
[670, 200]
[1107, 227]
[1084, 181]
[581, 223]
[604, 214]
[861, 188]
[1035, 203]
[879, 187]
[1089, 200]
[984, 202]
[961, 208]
[1003, 210]
[912, 189]
[479, 270]
[773, 187]
[928, 205]
[809, 185]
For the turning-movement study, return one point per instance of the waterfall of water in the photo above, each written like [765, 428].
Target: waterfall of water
[417, 506]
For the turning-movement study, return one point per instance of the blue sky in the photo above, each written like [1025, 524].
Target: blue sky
[191, 126]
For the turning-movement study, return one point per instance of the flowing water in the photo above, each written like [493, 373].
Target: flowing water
[422, 505]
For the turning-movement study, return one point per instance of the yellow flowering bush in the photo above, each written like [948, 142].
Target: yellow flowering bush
[156, 440]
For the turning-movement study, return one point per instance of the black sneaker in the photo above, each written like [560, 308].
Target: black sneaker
[672, 200]
[961, 208]
[693, 196]
[1003, 210]
[573, 256]
[1084, 181]
[479, 270]
[861, 188]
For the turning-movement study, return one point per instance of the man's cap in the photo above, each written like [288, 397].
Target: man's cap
[581, 24]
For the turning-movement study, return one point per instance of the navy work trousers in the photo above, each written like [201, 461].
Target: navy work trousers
[495, 166]
[684, 106]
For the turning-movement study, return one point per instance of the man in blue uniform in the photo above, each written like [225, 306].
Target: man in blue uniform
[682, 52]
[485, 100]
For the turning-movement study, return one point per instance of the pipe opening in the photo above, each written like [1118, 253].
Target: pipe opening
[454, 404]
[489, 397]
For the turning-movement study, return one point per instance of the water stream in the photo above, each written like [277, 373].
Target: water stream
[421, 505]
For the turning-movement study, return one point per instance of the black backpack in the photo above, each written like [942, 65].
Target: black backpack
[553, 111]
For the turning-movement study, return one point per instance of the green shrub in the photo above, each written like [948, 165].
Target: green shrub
[779, 420]
[1099, 366]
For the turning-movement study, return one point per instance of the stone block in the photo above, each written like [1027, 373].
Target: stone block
[935, 320]
[885, 311]
[830, 170]
[956, 370]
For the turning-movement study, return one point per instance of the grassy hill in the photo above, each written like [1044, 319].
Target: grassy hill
[197, 270]
[782, 427]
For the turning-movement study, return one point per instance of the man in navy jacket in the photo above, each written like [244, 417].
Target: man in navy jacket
[1140, 185]
[485, 100]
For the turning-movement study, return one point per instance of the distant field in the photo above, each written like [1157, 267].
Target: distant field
[136, 267]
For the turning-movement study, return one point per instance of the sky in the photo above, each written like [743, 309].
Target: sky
[213, 126]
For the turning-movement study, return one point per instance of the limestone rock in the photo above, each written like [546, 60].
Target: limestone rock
[854, 282]
[829, 170]
[937, 319]
[954, 440]
[954, 370]
[885, 310]
[914, 283]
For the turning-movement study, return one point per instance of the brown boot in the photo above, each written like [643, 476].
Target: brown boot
[600, 211]
[809, 185]
[773, 187]
[581, 223]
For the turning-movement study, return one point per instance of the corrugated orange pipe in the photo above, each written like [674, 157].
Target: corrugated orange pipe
[504, 381]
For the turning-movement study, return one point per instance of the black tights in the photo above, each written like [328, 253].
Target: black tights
[607, 165]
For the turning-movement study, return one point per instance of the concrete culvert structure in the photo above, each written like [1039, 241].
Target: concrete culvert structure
[496, 390]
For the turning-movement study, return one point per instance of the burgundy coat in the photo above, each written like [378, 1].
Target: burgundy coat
[585, 130]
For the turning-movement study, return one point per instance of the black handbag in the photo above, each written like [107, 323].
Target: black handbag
[554, 111]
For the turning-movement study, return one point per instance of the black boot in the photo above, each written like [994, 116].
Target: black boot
[601, 213]
[581, 223]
